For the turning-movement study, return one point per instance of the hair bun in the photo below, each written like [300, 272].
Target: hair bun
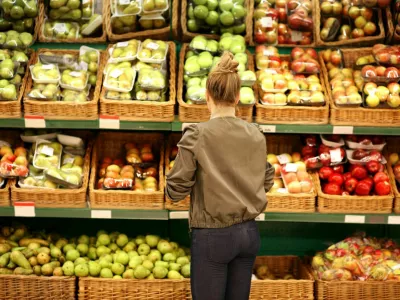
[227, 64]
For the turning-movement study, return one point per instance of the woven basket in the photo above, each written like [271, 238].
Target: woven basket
[13, 109]
[175, 25]
[152, 111]
[61, 110]
[300, 288]
[352, 204]
[357, 290]
[56, 198]
[82, 40]
[287, 114]
[156, 34]
[199, 112]
[187, 36]
[294, 203]
[359, 42]
[393, 146]
[389, 26]
[17, 287]
[378, 117]
[5, 193]
[173, 140]
[111, 144]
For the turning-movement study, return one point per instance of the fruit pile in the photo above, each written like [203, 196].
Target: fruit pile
[358, 258]
[65, 77]
[394, 161]
[217, 16]
[144, 79]
[139, 171]
[343, 20]
[380, 95]
[13, 163]
[283, 22]
[203, 56]
[264, 273]
[72, 19]
[113, 255]
[152, 14]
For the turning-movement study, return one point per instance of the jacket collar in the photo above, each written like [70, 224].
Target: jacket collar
[225, 111]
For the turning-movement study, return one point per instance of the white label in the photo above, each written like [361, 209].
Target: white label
[268, 128]
[122, 44]
[336, 155]
[75, 74]
[291, 168]
[24, 211]
[179, 215]
[266, 22]
[46, 150]
[394, 220]
[152, 46]
[342, 129]
[184, 125]
[116, 73]
[396, 267]
[85, 1]
[296, 36]
[109, 123]
[260, 217]
[60, 27]
[68, 160]
[283, 159]
[101, 214]
[124, 2]
[83, 65]
[47, 67]
[282, 190]
[354, 219]
[38, 122]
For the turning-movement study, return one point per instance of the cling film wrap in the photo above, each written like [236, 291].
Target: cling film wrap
[123, 24]
[74, 80]
[8, 69]
[9, 91]
[152, 80]
[201, 43]
[45, 73]
[381, 95]
[300, 15]
[126, 7]
[60, 30]
[14, 40]
[149, 22]
[265, 25]
[14, 10]
[152, 6]
[152, 51]
[47, 154]
[124, 51]
[41, 91]
[120, 78]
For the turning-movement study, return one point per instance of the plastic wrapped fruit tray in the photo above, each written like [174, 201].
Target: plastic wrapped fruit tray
[393, 146]
[110, 145]
[199, 112]
[361, 116]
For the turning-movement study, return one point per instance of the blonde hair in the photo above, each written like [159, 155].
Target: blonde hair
[223, 83]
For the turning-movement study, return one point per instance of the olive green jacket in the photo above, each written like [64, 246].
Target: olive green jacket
[222, 165]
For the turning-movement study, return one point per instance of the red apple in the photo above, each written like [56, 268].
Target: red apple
[373, 166]
[350, 185]
[336, 178]
[362, 188]
[332, 189]
[359, 172]
[391, 72]
[325, 172]
[375, 155]
[382, 188]
[380, 176]
[338, 169]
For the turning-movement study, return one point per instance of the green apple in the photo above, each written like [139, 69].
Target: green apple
[226, 5]
[225, 44]
[227, 18]
[9, 92]
[212, 46]
[212, 4]
[200, 2]
[238, 11]
[191, 25]
[199, 42]
[248, 76]
[212, 18]
[246, 95]
[194, 81]
[237, 48]
[201, 12]
[192, 66]
[205, 60]
[241, 58]
[238, 29]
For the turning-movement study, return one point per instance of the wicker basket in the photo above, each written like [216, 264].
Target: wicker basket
[175, 25]
[352, 204]
[300, 288]
[357, 290]
[157, 34]
[199, 112]
[17, 287]
[378, 117]
[13, 109]
[61, 110]
[132, 289]
[294, 203]
[389, 25]
[5, 193]
[57, 198]
[187, 36]
[111, 144]
[393, 146]
[82, 40]
[173, 140]
[152, 111]
[359, 42]
[287, 114]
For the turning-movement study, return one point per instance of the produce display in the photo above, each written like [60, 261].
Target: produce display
[13, 163]
[264, 273]
[113, 255]
[358, 258]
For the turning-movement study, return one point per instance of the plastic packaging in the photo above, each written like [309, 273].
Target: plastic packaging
[14, 40]
[296, 181]
[246, 96]
[88, 8]
[152, 80]
[300, 15]
[92, 25]
[196, 94]
[120, 78]
[9, 92]
[17, 10]
[366, 143]
[380, 74]
[199, 65]
[330, 29]
[74, 80]
[71, 141]
[381, 95]
[63, 61]
[68, 11]
[306, 98]
[126, 7]
[140, 155]
[124, 51]
[36, 182]
[331, 8]
[143, 95]
[32, 137]
[113, 95]
[266, 25]
[60, 30]
[274, 80]
[152, 51]
[327, 156]
[20, 56]
[143, 173]
[13, 163]
[47, 154]
[8, 68]
[76, 96]
[362, 157]
[88, 55]
[333, 57]
[275, 99]
[304, 61]
[69, 180]
[152, 6]
[149, 22]
[387, 55]
[247, 78]
[363, 61]
[45, 73]
[123, 24]
[41, 91]
[333, 141]
[118, 184]
[200, 43]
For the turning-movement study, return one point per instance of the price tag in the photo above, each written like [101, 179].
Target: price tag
[184, 125]
[260, 217]
[68, 160]
[296, 36]
[354, 219]
[46, 150]
[342, 129]
[336, 155]
[266, 22]
[122, 44]
[35, 122]
[116, 73]
[394, 220]
[24, 209]
[75, 74]
[179, 215]
[152, 46]
[396, 267]
[101, 214]
[291, 167]
[282, 191]
[47, 67]
[283, 159]
[60, 27]
[268, 128]
[109, 122]
[83, 65]
[124, 2]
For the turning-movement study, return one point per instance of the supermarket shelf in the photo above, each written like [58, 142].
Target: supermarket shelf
[315, 218]
[83, 213]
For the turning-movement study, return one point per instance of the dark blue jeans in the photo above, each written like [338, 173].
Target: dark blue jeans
[222, 261]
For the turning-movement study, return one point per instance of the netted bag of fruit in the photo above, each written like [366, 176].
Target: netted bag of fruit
[265, 24]
[19, 9]
[300, 15]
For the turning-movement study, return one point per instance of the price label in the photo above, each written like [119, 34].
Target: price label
[291, 167]
[266, 22]
[34, 122]
[354, 219]
[282, 190]
[122, 44]
[268, 128]
[48, 67]
[85, 1]
[260, 217]
[83, 65]
[396, 267]
[109, 122]
[283, 159]
[24, 209]
[60, 27]
[395, 220]
[152, 46]
[179, 215]
[343, 129]
[68, 160]
[101, 214]
[124, 2]
[116, 73]
[336, 155]
[75, 74]
[296, 36]
[46, 150]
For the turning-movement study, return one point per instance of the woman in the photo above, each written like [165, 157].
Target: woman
[222, 165]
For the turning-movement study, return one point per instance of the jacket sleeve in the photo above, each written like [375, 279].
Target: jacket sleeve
[181, 177]
[269, 177]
